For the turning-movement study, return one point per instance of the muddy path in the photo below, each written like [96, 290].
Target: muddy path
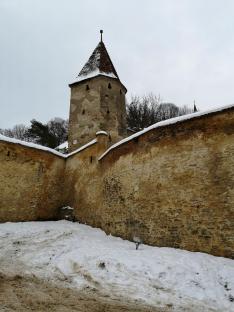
[32, 294]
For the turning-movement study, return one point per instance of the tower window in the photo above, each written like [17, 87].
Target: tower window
[108, 112]
[120, 91]
[91, 159]
[83, 111]
[87, 87]
[109, 86]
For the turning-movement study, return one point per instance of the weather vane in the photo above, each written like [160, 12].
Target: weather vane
[101, 32]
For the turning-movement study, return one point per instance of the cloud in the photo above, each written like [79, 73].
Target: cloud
[180, 49]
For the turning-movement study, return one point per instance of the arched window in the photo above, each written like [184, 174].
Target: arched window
[109, 85]
[83, 111]
[87, 87]
[120, 91]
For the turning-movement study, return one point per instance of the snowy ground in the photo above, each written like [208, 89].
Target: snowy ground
[81, 258]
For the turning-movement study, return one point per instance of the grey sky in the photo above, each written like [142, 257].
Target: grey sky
[182, 49]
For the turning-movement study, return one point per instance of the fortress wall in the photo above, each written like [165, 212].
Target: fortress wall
[31, 183]
[172, 186]
[83, 179]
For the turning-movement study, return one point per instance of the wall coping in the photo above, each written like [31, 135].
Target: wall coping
[44, 148]
[31, 145]
[81, 148]
[165, 123]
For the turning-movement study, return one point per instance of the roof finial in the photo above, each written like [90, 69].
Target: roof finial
[194, 107]
[101, 32]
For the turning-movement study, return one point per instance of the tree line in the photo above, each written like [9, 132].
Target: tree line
[50, 134]
[142, 112]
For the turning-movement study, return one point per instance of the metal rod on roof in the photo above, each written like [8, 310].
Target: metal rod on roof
[101, 32]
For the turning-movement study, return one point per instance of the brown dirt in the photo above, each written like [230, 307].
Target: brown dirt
[31, 294]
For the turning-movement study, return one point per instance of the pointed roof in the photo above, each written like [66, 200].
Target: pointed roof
[99, 61]
[98, 64]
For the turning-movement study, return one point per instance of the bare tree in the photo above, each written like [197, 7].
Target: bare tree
[166, 111]
[149, 109]
[184, 110]
[141, 112]
[18, 132]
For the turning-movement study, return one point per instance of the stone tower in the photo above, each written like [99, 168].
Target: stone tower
[97, 101]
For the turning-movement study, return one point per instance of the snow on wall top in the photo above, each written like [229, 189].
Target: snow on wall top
[99, 63]
[166, 123]
[30, 144]
[44, 148]
[154, 126]
[82, 148]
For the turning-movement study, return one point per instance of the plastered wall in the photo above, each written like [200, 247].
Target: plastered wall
[31, 183]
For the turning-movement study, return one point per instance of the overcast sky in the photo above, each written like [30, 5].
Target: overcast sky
[180, 49]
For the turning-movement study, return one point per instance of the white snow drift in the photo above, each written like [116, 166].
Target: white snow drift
[79, 256]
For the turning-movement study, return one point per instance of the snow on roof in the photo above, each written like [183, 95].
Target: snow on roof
[92, 74]
[166, 123]
[101, 132]
[99, 63]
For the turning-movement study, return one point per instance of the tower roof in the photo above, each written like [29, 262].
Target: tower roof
[99, 63]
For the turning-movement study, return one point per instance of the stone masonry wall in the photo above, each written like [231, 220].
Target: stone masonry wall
[172, 186]
[96, 104]
[31, 183]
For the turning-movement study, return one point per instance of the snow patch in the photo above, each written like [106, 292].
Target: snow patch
[83, 257]
[62, 146]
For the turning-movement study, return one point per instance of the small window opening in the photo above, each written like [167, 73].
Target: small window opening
[109, 86]
[87, 87]
[83, 111]
[106, 95]
[8, 153]
[120, 91]
[91, 159]
[108, 112]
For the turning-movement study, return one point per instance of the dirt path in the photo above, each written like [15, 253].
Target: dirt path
[31, 294]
